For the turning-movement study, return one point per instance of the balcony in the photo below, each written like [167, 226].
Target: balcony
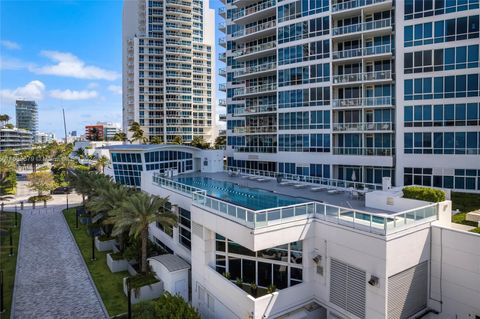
[364, 151]
[222, 72]
[222, 27]
[382, 101]
[256, 12]
[222, 57]
[222, 87]
[265, 69]
[222, 12]
[222, 42]
[362, 77]
[363, 52]
[362, 27]
[255, 90]
[183, 4]
[222, 102]
[356, 4]
[256, 31]
[254, 129]
[360, 127]
[256, 109]
[256, 149]
[258, 51]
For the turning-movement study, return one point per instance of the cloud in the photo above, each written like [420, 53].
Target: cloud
[69, 65]
[73, 95]
[10, 45]
[13, 64]
[92, 85]
[33, 90]
[117, 89]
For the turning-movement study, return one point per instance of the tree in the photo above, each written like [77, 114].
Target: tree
[34, 157]
[4, 118]
[137, 133]
[156, 140]
[177, 140]
[9, 126]
[220, 142]
[81, 181]
[80, 152]
[199, 141]
[134, 215]
[102, 162]
[165, 307]
[94, 134]
[8, 177]
[120, 137]
[41, 182]
[61, 166]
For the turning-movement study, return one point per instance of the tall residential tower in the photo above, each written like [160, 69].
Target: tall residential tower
[168, 77]
[27, 116]
[355, 90]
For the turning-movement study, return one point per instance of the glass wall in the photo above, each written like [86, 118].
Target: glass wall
[280, 266]
[125, 168]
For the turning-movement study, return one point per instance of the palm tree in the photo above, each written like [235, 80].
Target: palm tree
[102, 162]
[4, 118]
[220, 141]
[34, 157]
[120, 137]
[156, 140]
[134, 215]
[199, 141]
[80, 152]
[82, 183]
[7, 167]
[177, 140]
[137, 133]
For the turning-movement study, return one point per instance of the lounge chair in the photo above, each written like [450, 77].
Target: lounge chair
[286, 183]
[318, 189]
[300, 185]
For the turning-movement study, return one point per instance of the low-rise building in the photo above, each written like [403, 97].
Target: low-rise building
[102, 131]
[16, 139]
[267, 247]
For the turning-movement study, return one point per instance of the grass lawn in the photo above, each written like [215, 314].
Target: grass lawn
[109, 285]
[465, 202]
[8, 263]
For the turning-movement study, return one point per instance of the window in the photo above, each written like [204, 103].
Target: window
[462, 179]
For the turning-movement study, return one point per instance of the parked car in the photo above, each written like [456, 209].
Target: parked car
[61, 190]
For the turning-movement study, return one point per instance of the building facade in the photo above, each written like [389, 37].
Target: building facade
[15, 139]
[168, 68]
[102, 131]
[355, 90]
[301, 252]
[26, 113]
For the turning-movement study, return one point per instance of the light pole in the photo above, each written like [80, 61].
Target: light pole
[67, 199]
[2, 309]
[11, 241]
[15, 215]
[129, 296]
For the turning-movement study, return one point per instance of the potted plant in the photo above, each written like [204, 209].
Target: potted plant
[271, 289]
[239, 282]
[253, 289]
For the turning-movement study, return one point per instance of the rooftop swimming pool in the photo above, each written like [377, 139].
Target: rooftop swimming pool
[252, 198]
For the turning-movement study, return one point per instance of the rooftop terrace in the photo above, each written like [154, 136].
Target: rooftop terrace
[315, 202]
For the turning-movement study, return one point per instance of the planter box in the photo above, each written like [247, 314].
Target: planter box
[149, 292]
[131, 270]
[104, 245]
[116, 265]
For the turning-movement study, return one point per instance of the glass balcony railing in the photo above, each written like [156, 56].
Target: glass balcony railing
[359, 27]
[247, 110]
[256, 28]
[256, 149]
[380, 224]
[222, 87]
[364, 151]
[255, 89]
[255, 69]
[385, 101]
[359, 52]
[362, 77]
[255, 49]
[251, 10]
[353, 4]
[369, 126]
[255, 129]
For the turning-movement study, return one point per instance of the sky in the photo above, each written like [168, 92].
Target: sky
[64, 54]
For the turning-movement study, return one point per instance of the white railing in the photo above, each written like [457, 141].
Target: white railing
[362, 77]
[366, 26]
[359, 52]
[251, 10]
[381, 224]
[347, 5]
[368, 126]
[361, 102]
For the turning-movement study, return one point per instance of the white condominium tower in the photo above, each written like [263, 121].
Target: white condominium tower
[355, 90]
[168, 68]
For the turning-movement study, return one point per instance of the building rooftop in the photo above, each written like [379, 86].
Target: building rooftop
[171, 262]
[144, 147]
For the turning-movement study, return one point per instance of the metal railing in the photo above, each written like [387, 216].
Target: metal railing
[362, 77]
[255, 49]
[254, 9]
[254, 109]
[362, 102]
[256, 149]
[364, 151]
[256, 28]
[365, 26]
[255, 129]
[256, 68]
[255, 89]
[365, 51]
[381, 224]
[367, 126]
[347, 5]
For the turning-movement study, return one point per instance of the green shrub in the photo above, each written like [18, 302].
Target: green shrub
[142, 280]
[424, 193]
[165, 307]
[39, 198]
[117, 256]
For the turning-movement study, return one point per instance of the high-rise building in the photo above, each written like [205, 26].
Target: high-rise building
[27, 116]
[168, 77]
[102, 131]
[355, 90]
[15, 139]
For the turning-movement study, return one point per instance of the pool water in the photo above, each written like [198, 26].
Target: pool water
[252, 198]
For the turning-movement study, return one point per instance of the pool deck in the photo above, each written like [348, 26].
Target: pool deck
[342, 199]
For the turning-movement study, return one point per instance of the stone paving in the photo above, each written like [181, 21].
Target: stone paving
[52, 280]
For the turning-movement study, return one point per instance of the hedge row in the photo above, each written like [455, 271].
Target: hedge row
[424, 193]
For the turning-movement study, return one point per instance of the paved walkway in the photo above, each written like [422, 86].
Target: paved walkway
[52, 280]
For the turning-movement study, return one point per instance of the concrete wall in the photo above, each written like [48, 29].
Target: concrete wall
[455, 273]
